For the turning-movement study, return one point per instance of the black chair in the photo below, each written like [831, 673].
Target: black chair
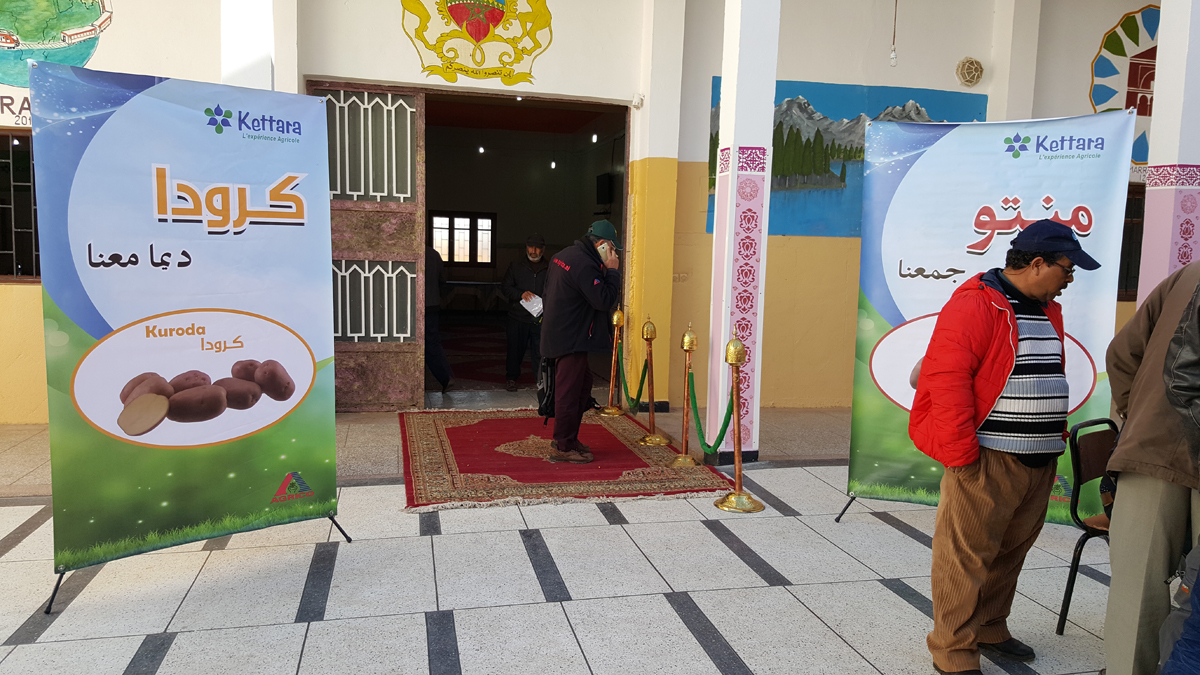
[1089, 458]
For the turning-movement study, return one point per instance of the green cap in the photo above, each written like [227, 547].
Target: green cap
[605, 230]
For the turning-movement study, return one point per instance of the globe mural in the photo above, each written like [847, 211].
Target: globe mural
[61, 31]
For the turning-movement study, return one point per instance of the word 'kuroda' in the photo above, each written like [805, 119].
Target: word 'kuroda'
[226, 207]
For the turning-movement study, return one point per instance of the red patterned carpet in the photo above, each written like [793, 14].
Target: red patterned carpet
[479, 456]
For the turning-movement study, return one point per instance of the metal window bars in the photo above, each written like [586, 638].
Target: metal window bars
[374, 301]
[372, 145]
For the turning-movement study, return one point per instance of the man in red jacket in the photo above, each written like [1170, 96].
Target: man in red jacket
[991, 405]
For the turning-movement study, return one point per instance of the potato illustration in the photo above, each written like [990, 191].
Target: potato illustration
[274, 380]
[239, 394]
[143, 413]
[132, 384]
[192, 378]
[197, 404]
[155, 384]
[244, 370]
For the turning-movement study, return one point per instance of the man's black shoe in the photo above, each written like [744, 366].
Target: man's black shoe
[511, 385]
[958, 672]
[1011, 648]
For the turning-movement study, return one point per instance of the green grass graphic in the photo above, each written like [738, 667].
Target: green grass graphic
[69, 559]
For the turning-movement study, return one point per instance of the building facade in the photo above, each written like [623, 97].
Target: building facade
[643, 78]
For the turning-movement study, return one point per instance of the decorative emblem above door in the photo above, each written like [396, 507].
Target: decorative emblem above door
[483, 39]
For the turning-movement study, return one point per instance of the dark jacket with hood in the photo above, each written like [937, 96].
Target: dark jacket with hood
[580, 294]
[524, 275]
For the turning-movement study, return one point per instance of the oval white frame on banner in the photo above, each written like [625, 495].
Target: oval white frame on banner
[897, 352]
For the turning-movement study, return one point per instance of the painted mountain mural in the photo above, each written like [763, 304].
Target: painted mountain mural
[811, 150]
[817, 147]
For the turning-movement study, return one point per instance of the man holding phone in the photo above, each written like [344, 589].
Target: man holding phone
[582, 287]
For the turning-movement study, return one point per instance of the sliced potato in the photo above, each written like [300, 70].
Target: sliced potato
[142, 414]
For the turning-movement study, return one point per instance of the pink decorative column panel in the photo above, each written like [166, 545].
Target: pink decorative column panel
[742, 198]
[1170, 223]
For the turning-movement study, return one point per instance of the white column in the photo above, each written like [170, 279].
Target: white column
[248, 43]
[1169, 238]
[1015, 26]
[750, 53]
[287, 66]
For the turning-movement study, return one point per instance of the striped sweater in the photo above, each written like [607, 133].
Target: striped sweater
[1031, 412]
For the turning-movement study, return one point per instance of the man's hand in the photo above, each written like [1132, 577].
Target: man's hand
[613, 261]
[527, 296]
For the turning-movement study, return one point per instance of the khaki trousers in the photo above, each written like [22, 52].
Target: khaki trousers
[1149, 533]
[990, 513]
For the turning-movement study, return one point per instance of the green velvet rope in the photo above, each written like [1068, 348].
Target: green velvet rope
[632, 404]
[708, 449]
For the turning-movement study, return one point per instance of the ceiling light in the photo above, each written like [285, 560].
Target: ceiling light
[481, 149]
[518, 98]
[16, 141]
[594, 138]
[552, 164]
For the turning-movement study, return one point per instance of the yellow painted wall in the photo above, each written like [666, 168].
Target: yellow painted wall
[648, 255]
[22, 355]
[811, 306]
[1125, 311]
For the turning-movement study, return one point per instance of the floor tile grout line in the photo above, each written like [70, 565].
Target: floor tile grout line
[835, 545]
[647, 558]
[749, 557]
[437, 600]
[1054, 612]
[578, 643]
[188, 592]
[18, 480]
[705, 632]
[303, 645]
[831, 630]
[13, 539]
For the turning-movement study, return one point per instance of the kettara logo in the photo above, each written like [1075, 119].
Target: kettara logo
[254, 128]
[292, 487]
[1047, 147]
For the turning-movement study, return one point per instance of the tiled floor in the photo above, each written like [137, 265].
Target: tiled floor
[672, 586]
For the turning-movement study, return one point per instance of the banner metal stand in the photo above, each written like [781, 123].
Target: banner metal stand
[339, 527]
[845, 508]
[57, 584]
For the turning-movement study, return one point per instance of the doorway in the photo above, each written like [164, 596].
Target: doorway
[499, 169]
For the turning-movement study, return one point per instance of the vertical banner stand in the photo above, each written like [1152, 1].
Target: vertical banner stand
[53, 595]
[339, 527]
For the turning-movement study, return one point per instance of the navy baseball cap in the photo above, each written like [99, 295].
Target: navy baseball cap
[1048, 236]
[605, 230]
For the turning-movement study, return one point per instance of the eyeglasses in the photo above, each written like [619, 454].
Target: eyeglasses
[1069, 271]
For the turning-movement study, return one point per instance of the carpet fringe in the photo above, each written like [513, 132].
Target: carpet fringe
[523, 501]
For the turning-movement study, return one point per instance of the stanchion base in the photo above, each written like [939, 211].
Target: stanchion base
[682, 460]
[653, 439]
[740, 502]
[611, 411]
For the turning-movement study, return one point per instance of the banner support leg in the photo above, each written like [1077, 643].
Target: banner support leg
[845, 508]
[339, 527]
[53, 595]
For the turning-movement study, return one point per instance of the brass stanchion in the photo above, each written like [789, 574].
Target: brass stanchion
[742, 502]
[610, 410]
[689, 345]
[649, 332]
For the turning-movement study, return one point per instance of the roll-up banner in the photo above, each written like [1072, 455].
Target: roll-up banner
[185, 250]
[942, 203]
